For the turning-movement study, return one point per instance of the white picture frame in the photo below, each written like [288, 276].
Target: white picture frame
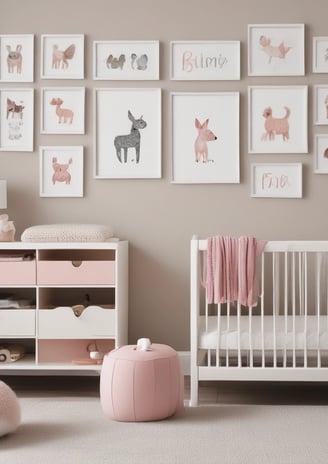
[277, 119]
[205, 60]
[62, 56]
[276, 50]
[62, 110]
[121, 113]
[126, 60]
[320, 55]
[61, 171]
[276, 180]
[320, 154]
[205, 137]
[16, 57]
[320, 110]
[16, 119]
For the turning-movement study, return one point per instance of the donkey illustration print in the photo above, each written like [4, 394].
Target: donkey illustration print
[204, 135]
[132, 140]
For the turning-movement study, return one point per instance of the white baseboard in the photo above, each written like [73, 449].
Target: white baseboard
[184, 357]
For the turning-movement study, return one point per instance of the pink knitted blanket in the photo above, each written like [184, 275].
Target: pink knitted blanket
[231, 269]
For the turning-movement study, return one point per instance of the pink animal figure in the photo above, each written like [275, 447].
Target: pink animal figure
[276, 126]
[13, 109]
[204, 135]
[60, 57]
[279, 51]
[65, 115]
[61, 173]
[14, 59]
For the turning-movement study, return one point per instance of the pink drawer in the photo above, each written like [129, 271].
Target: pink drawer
[17, 273]
[76, 272]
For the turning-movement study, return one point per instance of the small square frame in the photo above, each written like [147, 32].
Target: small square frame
[277, 120]
[321, 154]
[62, 56]
[276, 180]
[276, 49]
[16, 119]
[126, 60]
[320, 54]
[61, 171]
[16, 58]
[320, 105]
[205, 60]
[62, 110]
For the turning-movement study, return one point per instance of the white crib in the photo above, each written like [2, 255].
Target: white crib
[283, 338]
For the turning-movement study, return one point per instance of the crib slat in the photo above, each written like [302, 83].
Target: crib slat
[275, 283]
[262, 308]
[285, 308]
[305, 306]
[294, 307]
[227, 334]
[318, 290]
[238, 334]
[219, 336]
[250, 314]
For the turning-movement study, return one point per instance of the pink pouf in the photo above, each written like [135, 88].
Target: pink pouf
[141, 385]
[10, 415]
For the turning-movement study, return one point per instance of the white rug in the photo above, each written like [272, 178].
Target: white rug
[71, 429]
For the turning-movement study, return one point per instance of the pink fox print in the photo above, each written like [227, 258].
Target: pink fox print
[204, 135]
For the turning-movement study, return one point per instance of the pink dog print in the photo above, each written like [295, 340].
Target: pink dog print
[204, 135]
[273, 51]
[276, 126]
[61, 173]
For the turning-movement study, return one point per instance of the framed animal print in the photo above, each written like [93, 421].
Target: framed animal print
[16, 58]
[277, 119]
[62, 56]
[127, 133]
[321, 105]
[205, 137]
[321, 154]
[276, 180]
[16, 119]
[320, 54]
[61, 171]
[126, 60]
[276, 50]
[62, 110]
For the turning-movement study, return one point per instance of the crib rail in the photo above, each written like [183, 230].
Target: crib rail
[287, 330]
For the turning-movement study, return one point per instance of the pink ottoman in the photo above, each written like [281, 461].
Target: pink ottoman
[141, 385]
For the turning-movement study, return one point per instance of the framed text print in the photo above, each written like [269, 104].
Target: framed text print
[126, 60]
[276, 180]
[205, 60]
[127, 133]
[205, 137]
[17, 58]
[276, 50]
[277, 119]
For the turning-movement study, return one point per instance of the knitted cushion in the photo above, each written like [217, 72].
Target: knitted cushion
[10, 415]
[67, 233]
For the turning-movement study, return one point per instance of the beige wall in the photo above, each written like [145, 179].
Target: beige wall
[159, 218]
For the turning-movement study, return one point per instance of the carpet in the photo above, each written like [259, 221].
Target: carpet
[72, 429]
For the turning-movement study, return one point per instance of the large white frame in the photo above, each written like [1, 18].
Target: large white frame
[114, 111]
[197, 118]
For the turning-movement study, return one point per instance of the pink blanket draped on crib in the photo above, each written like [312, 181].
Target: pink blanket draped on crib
[231, 269]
